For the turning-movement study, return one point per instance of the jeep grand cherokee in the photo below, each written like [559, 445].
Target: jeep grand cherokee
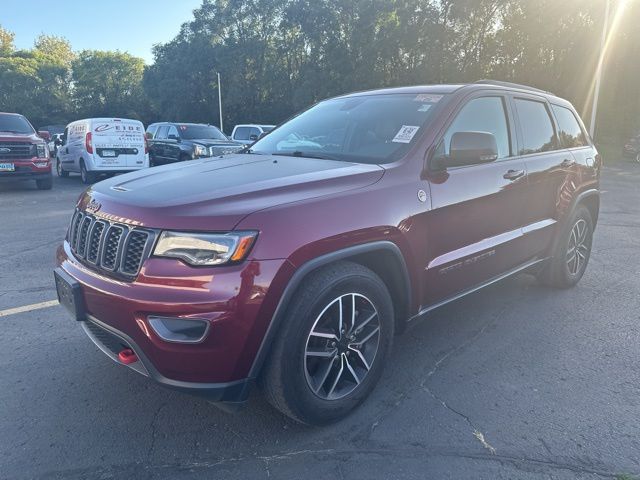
[294, 263]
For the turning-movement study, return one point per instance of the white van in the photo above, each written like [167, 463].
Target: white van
[96, 146]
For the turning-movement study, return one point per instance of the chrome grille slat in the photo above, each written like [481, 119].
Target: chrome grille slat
[115, 248]
[19, 150]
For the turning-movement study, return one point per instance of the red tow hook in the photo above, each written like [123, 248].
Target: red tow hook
[127, 356]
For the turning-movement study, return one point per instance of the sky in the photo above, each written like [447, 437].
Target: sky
[132, 26]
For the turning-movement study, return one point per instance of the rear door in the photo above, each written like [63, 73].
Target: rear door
[158, 144]
[551, 170]
[118, 144]
[475, 227]
[172, 144]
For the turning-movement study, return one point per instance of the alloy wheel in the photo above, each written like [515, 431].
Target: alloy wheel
[342, 346]
[578, 248]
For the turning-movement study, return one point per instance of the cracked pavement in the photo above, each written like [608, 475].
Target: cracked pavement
[516, 381]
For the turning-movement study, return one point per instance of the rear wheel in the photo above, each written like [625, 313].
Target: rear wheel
[333, 345]
[86, 176]
[572, 251]
[45, 184]
[59, 170]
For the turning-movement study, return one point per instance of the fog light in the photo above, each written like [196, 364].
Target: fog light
[180, 330]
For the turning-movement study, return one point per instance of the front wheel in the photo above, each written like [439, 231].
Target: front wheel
[86, 176]
[59, 170]
[333, 345]
[572, 251]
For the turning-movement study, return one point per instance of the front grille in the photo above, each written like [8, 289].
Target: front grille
[111, 247]
[17, 150]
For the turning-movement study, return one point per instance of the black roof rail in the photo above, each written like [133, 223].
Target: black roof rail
[512, 85]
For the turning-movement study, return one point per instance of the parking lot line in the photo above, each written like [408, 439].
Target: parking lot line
[28, 308]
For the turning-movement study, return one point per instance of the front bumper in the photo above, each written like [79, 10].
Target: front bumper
[112, 342]
[238, 301]
[27, 169]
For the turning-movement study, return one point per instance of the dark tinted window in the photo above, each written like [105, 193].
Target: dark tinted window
[242, 133]
[485, 114]
[537, 128]
[571, 135]
[151, 130]
[15, 124]
[173, 132]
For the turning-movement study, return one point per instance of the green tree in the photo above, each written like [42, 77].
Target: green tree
[108, 84]
[6, 42]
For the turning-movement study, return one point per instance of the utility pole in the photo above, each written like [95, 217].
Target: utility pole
[596, 89]
[220, 101]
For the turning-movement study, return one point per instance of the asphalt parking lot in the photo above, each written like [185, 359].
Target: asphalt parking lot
[516, 381]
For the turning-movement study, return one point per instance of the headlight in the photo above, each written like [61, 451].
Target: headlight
[203, 249]
[42, 150]
[200, 151]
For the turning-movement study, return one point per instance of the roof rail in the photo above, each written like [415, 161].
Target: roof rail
[512, 85]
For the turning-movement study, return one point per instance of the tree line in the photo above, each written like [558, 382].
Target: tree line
[276, 57]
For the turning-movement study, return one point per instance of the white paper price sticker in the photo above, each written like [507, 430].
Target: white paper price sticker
[405, 134]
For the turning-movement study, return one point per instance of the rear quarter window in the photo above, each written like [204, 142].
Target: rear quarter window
[538, 134]
[569, 130]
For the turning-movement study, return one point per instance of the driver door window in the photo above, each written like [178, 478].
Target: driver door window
[485, 114]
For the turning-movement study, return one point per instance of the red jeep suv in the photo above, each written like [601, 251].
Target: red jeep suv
[293, 263]
[24, 155]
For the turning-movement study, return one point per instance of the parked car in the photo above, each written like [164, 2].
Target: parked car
[24, 154]
[294, 268]
[249, 133]
[632, 148]
[177, 142]
[56, 140]
[102, 146]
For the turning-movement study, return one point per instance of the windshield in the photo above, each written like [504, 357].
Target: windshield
[15, 124]
[364, 129]
[201, 132]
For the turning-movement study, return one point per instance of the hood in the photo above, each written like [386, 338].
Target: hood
[208, 142]
[20, 137]
[216, 193]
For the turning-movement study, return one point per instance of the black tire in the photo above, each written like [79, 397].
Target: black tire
[45, 184]
[86, 176]
[287, 376]
[561, 271]
[59, 170]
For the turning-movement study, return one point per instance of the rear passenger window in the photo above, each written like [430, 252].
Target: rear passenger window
[571, 135]
[484, 114]
[537, 129]
[162, 132]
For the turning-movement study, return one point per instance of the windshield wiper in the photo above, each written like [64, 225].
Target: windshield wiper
[299, 153]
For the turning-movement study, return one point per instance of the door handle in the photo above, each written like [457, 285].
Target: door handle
[566, 163]
[513, 174]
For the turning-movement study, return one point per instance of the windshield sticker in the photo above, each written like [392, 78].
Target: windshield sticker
[405, 134]
[427, 98]
[424, 108]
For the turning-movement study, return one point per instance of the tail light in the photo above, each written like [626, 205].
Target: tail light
[87, 143]
[146, 145]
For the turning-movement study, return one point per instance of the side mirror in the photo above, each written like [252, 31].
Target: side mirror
[471, 148]
[174, 137]
[253, 137]
[44, 134]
